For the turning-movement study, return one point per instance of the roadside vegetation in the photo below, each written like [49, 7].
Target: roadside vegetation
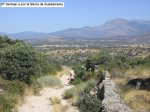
[136, 97]
[57, 105]
[49, 80]
[20, 66]
[24, 69]
[80, 97]
[125, 70]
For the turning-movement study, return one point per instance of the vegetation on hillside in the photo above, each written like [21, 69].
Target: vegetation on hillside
[81, 97]
[20, 66]
[123, 69]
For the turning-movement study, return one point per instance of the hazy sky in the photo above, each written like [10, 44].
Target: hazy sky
[76, 13]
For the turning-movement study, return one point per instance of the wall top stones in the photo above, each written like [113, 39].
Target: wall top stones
[111, 101]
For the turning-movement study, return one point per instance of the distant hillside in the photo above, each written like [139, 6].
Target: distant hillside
[112, 28]
[142, 38]
[116, 28]
[26, 35]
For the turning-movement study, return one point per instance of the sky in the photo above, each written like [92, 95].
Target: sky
[75, 14]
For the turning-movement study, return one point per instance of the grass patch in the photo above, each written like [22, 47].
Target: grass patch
[49, 81]
[13, 94]
[6, 103]
[138, 72]
[79, 89]
[16, 87]
[55, 100]
[138, 99]
[57, 106]
[65, 70]
[120, 82]
[9, 101]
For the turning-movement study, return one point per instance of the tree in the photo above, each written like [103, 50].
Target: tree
[5, 41]
[89, 65]
[20, 61]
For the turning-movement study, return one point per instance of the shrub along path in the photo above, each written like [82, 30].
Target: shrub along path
[42, 103]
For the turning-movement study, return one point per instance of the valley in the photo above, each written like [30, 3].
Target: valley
[33, 72]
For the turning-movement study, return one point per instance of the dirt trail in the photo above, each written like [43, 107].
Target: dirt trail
[41, 103]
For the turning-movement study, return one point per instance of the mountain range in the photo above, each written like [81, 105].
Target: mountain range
[111, 29]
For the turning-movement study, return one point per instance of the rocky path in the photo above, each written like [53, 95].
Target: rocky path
[41, 103]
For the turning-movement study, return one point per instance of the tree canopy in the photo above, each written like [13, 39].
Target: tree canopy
[20, 61]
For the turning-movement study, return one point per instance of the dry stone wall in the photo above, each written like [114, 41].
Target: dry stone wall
[111, 101]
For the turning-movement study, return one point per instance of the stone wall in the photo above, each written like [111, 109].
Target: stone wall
[111, 101]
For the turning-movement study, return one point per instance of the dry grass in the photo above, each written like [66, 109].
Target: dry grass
[64, 71]
[138, 72]
[49, 80]
[28, 91]
[64, 52]
[132, 74]
[138, 99]
[57, 106]
[19, 99]
[55, 100]
[120, 82]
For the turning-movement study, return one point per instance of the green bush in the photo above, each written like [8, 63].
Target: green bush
[16, 87]
[5, 41]
[146, 61]
[12, 92]
[80, 89]
[6, 103]
[76, 81]
[88, 75]
[20, 61]
[90, 84]
[77, 68]
[109, 61]
[83, 76]
[53, 68]
[70, 93]
[87, 103]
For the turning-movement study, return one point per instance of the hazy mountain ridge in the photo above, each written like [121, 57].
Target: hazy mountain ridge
[26, 35]
[111, 29]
